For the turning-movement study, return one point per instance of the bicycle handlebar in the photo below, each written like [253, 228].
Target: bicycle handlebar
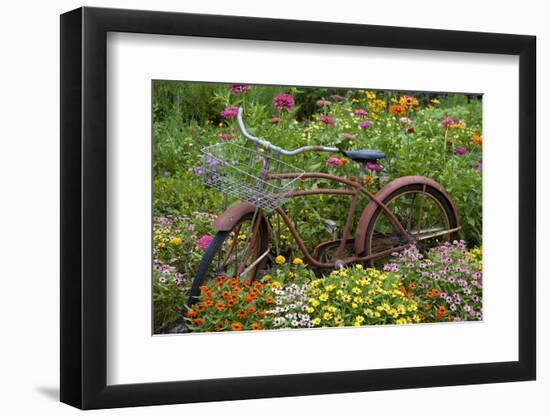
[268, 145]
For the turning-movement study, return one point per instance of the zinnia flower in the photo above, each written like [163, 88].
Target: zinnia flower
[176, 241]
[329, 121]
[237, 89]
[361, 113]
[323, 103]
[204, 242]
[336, 97]
[397, 110]
[373, 166]
[229, 113]
[279, 260]
[461, 151]
[477, 140]
[297, 261]
[226, 136]
[283, 102]
[334, 161]
[365, 124]
[447, 121]
[349, 136]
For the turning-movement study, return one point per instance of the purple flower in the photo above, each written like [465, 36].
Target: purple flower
[365, 124]
[329, 121]
[323, 103]
[229, 113]
[283, 102]
[336, 97]
[461, 151]
[237, 89]
[361, 113]
[204, 242]
[373, 166]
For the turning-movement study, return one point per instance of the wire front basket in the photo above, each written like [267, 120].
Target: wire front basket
[252, 175]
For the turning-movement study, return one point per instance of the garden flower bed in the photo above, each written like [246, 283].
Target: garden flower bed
[434, 135]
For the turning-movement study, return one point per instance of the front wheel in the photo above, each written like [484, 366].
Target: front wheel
[423, 211]
[233, 252]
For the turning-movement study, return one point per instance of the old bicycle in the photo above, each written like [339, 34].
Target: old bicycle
[411, 209]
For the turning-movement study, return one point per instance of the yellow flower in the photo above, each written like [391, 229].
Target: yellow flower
[310, 310]
[279, 260]
[376, 314]
[316, 321]
[297, 261]
[275, 284]
[369, 180]
[327, 316]
[360, 319]
[313, 302]
[356, 290]
[359, 266]
[477, 140]
[323, 297]
[435, 101]
[330, 287]
[266, 277]
[354, 305]
[338, 320]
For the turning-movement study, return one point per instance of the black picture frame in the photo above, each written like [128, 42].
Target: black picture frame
[84, 207]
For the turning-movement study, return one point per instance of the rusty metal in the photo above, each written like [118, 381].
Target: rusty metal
[228, 219]
[388, 189]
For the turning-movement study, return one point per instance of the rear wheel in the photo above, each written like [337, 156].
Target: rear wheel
[233, 253]
[424, 212]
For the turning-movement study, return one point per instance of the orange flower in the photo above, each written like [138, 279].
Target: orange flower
[198, 321]
[441, 312]
[230, 303]
[426, 307]
[233, 298]
[200, 308]
[269, 300]
[256, 326]
[397, 110]
[412, 286]
[248, 298]
[236, 326]
[219, 281]
[191, 314]
[477, 140]
[225, 294]
[262, 313]
[436, 292]
[241, 314]
[218, 327]
[233, 281]
[258, 285]
[208, 303]
[220, 306]
[251, 310]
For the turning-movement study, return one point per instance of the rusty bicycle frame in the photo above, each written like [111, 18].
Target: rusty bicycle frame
[354, 189]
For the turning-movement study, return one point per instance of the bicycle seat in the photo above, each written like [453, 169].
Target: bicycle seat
[364, 155]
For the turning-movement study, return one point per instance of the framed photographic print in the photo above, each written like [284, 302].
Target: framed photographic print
[258, 208]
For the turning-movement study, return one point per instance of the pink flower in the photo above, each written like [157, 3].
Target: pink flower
[283, 102]
[229, 113]
[361, 113]
[461, 151]
[204, 242]
[334, 161]
[349, 136]
[226, 136]
[373, 166]
[275, 120]
[336, 97]
[365, 124]
[447, 121]
[237, 89]
[329, 121]
[323, 103]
